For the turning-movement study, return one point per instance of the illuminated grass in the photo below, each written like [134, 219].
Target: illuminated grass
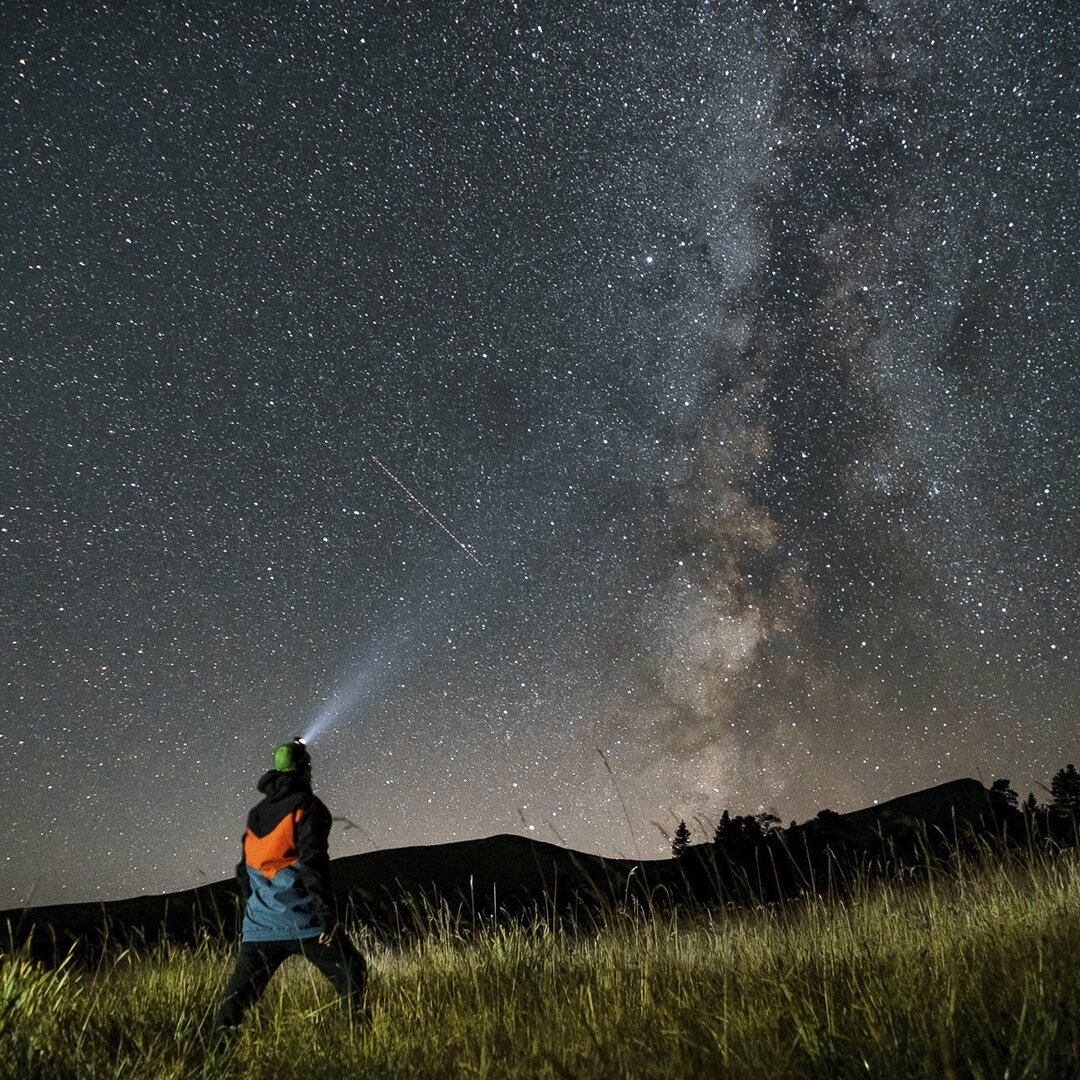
[972, 975]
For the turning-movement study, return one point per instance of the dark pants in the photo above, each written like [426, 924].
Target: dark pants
[258, 960]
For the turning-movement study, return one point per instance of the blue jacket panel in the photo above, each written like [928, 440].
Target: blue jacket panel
[280, 908]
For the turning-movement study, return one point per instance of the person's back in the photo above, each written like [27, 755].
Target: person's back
[286, 895]
[284, 879]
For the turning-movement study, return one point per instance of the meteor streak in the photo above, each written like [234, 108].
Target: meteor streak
[426, 510]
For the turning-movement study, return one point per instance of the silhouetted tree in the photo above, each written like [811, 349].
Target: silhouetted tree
[746, 827]
[1035, 817]
[1065, 790]
[1002, 795]
[1064, 812]
[681, 841]
[740, 838]
[1005, 819]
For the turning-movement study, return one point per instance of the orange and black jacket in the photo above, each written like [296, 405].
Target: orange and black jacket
[284, 875]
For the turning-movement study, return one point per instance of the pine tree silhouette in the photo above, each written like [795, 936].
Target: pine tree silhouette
[1065, 791]
[681, 841]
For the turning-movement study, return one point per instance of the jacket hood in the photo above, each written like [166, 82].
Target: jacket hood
[274, 784]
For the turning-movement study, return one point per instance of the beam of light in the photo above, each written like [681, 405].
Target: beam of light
[394, 641]
[426, 510]
[370, 670]
[358, 684]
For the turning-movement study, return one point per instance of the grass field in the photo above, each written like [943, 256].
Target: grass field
[971, 974]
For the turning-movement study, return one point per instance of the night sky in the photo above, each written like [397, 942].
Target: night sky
[736, 343]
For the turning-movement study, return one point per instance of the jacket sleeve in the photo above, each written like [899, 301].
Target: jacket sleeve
[313, 850]
[243, 882]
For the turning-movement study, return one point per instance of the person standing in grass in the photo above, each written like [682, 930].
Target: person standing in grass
[284, 879]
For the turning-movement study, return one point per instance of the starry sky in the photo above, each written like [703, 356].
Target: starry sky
[735, 342]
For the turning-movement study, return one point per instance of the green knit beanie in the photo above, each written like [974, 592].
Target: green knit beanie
[292, 756]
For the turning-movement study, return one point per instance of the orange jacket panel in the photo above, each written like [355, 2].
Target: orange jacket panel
[277, 849]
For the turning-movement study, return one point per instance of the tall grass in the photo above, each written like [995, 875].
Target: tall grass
[970, 973]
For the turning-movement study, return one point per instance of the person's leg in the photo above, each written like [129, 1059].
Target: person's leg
[343, 965]
[255, 964]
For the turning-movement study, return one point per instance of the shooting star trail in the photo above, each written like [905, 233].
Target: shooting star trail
[426, 510]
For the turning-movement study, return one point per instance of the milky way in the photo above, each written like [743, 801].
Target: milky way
[737, 343]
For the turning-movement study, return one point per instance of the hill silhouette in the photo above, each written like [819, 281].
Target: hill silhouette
[389, 889]
[395, 889]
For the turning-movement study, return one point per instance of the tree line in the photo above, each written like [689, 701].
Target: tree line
[1053, 819]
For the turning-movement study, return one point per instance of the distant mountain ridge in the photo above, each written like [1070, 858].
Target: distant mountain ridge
[475, 877]
[955, 801]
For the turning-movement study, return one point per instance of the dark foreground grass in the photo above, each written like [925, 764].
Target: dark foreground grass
[970, 975]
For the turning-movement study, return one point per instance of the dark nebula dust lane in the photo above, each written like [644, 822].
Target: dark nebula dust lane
[726, 355]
